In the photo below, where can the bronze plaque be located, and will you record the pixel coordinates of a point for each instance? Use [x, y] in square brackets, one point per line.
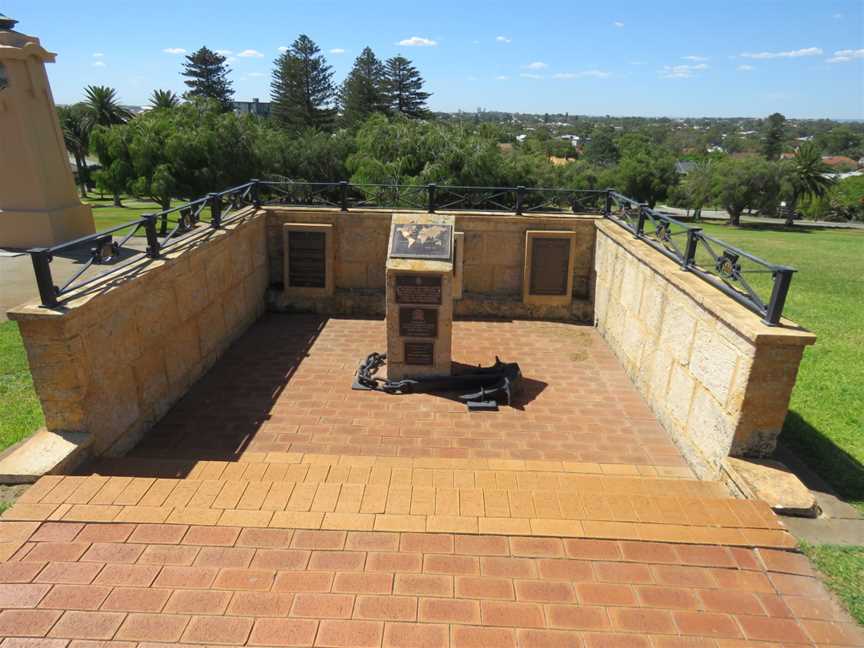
[418, 289]
[550, 259]
[307, 266]
[419, 353]
[413, 241]
[418, 322]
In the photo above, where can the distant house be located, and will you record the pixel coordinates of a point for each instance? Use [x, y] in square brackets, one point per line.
[840, 162]
[254, 107]
[683, 167]
[505, 147]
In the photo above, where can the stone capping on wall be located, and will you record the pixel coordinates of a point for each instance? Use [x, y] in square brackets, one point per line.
[718, 379]
[113, 358]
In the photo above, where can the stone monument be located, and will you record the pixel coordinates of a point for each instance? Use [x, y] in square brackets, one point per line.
[39, 205]
[419, 296]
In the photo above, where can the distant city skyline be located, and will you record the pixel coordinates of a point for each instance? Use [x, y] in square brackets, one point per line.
[665, 58]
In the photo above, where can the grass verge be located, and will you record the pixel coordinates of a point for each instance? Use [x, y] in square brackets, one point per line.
[843, 568]
[827, 409]
[20, 411]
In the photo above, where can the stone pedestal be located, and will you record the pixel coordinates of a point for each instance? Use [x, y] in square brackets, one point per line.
[419, 280]
[39, 205]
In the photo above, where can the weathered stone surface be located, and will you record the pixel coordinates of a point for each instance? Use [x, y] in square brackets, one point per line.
[773, 483]
[43, 453]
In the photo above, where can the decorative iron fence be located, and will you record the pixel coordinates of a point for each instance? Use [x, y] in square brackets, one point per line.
[724, 266]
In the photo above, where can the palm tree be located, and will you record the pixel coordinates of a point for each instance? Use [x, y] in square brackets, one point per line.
[101, 102]
[807, 176]
[75, 124]
[164, 99]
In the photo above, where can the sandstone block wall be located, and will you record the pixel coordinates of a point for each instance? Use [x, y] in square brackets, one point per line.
[718, 379]
[494, 253]
[114, 359]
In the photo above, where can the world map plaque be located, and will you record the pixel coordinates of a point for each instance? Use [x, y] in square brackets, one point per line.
[422, 241]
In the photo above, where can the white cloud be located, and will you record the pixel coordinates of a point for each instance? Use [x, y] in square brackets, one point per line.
[224, 52]
[745, 68]
[807, 51]
[536, 65]
[257, 74]
[681, 71]
[503, 39]
[337, 50]
[527, 75]
[618, 24]
[502, 77]
[99, 64]
[638, 63]
[283, 48]
[844, 56]
[98, 55]
[417, 41]
[174, 50]
[596, 74]
[695, 58]
[250, 53]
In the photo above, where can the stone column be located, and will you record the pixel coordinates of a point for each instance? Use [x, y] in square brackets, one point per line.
[39, 204]
[419, 296]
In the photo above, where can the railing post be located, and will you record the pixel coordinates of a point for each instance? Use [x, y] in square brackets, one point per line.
[607, 209]
[163, 226]
[430, 189]
[41, 258]
[640, 222]
[215, 210]
[343, 195]
[520, 199]
[255, 193]
[690, 249]
[782, 280]
[152, 238]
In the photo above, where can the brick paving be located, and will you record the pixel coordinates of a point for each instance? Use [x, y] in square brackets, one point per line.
[275, 507]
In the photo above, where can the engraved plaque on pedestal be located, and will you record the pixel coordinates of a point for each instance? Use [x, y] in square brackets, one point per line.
[418, 289]
[419, 353]
[418, 322]
[421, 241]
[550, 260]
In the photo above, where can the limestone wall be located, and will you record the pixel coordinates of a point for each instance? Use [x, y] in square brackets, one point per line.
[718, 379]
[113, 360]
[494, 261]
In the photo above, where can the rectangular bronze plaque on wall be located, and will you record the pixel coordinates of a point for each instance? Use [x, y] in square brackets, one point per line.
[419, 353]
[418, 289]
[307, 266]
[418, 322]
[550, 259]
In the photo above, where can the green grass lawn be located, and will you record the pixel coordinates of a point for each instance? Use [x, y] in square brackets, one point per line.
[826, 416]
[20, 412]
[106, 215]
[844, 572]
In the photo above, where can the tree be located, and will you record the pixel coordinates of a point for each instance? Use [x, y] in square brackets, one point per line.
[602, 149]
[696, 187]
[362, 93]
[103, 108]
[207, 76]
[302, 87]
[111, 146]
[806, 176]
[76, 127]
[404, 87]
[744, 184]
[647, 177]
[164, 99]
[774, 136]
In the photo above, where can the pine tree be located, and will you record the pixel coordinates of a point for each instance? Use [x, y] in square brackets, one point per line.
[775, 133]
[208, 77]
[363, 93]
[302, 87]
[405, 88]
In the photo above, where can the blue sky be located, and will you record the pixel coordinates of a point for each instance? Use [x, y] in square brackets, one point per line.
[804, 58]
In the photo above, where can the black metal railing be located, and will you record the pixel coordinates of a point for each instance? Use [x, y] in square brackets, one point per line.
[752, 282]
[738, 274]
